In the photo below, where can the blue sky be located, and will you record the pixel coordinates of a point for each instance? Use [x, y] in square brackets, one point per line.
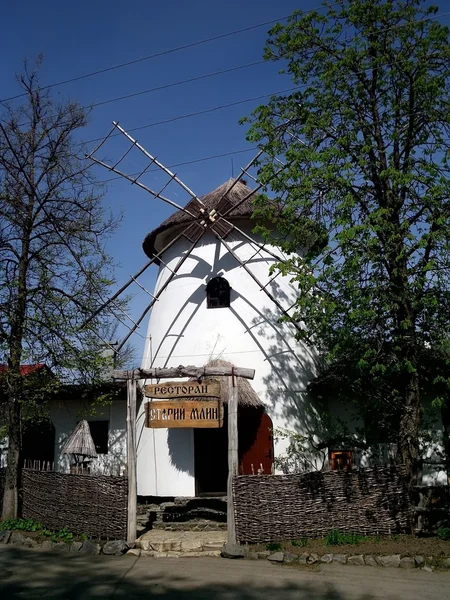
[78, 38]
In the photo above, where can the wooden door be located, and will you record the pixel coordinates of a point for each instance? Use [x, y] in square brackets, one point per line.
[255, 443]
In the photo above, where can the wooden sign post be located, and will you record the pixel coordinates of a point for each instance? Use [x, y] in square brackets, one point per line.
[208, 388]
[170, 414]
[190, 371]
[131, 461]
[233, 459]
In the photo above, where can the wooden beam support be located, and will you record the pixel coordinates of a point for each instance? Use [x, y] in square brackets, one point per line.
[131, 461]
[189, 371]
[233, 460]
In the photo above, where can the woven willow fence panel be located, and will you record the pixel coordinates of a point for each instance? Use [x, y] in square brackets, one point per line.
[2, 485]
[272, 508]
[92, 504]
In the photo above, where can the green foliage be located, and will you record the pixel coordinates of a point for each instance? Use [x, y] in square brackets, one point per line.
[20, 525]
[336, 538]
[61, 535]
[365, 195]
[273, 546]
[300, 543]
[444, 533]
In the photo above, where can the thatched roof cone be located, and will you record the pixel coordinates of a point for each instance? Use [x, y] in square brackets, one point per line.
[160, 236]
[80, 441]
[246, 394]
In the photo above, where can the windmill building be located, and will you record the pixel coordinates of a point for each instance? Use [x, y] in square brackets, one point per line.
[221, 304]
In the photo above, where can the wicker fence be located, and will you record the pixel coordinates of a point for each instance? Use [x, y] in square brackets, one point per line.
[285, 507]
[2, 486]
[91, 504]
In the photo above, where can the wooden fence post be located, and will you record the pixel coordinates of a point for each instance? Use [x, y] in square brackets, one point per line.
[131, 460]
[233, 460]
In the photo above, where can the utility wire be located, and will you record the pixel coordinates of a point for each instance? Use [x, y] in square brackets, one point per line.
[196, 113]
[158, 54]
[176, 83]
[207, 75]
[198, 43]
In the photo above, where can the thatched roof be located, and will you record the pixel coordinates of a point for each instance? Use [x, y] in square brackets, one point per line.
[210, 200]
[80, 441]
[246, 394]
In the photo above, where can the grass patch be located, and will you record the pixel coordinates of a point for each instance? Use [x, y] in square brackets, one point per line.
[300, 543]
[337, 538]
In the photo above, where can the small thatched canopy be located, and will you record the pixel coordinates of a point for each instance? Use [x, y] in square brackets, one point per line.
[80, 442]
[244, 211]
[246, 394]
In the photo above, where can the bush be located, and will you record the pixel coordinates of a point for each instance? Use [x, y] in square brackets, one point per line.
[444, 533]
[273, 546]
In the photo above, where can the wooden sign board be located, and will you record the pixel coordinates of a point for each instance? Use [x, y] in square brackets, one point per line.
[207, 388]
[202, 414]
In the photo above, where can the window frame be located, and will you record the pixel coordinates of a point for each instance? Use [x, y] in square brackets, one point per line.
[223, 290]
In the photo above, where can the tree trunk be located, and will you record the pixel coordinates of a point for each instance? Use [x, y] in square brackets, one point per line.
[408, 439]
[11, 493]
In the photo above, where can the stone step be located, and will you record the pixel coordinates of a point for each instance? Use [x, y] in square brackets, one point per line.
[205, 513]
[172, 554]
[181, 542]
[194, 525]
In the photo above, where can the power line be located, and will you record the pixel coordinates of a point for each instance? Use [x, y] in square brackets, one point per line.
[158, 54]
[195, 114]
[176, 83]
[192, 45]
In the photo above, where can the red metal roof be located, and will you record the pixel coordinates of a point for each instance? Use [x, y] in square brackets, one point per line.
[25, 369]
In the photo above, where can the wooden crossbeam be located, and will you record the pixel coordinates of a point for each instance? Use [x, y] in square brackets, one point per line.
[181, 371]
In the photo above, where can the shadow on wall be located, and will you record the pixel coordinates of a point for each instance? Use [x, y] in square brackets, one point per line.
[289, 372]
[112, 463]
[115, 577]
[178, 440]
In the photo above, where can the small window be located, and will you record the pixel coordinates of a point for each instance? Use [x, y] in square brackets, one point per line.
[218, 293]
[341, 460]
[99, 432]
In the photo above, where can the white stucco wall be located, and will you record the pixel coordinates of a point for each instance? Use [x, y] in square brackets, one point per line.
[183, 331]
[65, 417]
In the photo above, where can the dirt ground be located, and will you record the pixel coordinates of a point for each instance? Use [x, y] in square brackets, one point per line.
[27, 574]
[405, 545]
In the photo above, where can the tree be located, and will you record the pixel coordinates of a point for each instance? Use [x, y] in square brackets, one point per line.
[365, 190]
[54, 270]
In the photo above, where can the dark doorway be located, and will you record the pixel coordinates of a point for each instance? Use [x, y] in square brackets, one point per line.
[211, 450]
[38, 441]
[211, 459]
